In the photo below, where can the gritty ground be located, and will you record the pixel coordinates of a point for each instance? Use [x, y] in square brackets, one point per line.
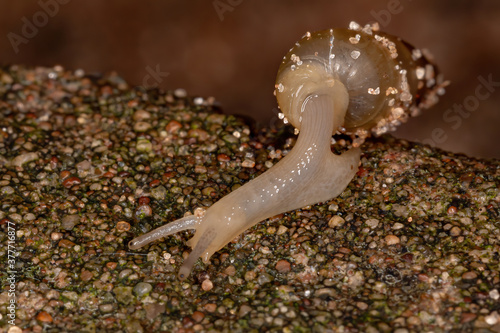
[87, 163]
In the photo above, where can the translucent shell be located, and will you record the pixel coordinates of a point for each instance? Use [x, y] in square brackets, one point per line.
[386, 78]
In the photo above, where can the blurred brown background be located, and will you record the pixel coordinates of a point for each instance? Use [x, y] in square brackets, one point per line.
[231, 49]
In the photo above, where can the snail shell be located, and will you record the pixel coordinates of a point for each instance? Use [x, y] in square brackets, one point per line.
[386, 78]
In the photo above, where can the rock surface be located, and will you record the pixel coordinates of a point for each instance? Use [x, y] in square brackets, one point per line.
[87, 163]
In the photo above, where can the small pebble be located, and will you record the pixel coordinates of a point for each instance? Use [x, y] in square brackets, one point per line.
[207, 191]
[86, 275]
[106, 308]
[324, 292]
[111, 265]
[467, 317]
[72, 295]
[173, 126]
[66, 243]
[278, 322]
[144, 201]
[143, 212]
[24, 158]
[281, 230]
[122, 226]
[362, 305]
[125, 273]
[400, 330]
[230, 270]
[264, 278]
[469, 276]
[391, 239]
[17, 218]
[198, 133]
[413, 320]
[199, 212]
[244, 310]
[64, 174]
[466, 220]
[207, 285]
[142, 288]
[153, 310]
[69, 221]
[7, 190]
[248, 164]
[210, 307]
[397, 226]
[141, 115]
[56, 236]
[333, 207]
[492, 318]
[123, 294]
[133, 326]
[144, 146]
[223, 158]
[250, 275]
[44, 317]
[117, 180]
[282, 266]
[159, 193]
[180, 93]
[335, 221]
[71, 181]
[256, 322]
[200, 169]
[198, 316]
[141, 126]
[455, 231]
[372, 223]
[84, 165]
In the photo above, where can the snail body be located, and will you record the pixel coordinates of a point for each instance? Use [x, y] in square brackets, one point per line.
[354, 81]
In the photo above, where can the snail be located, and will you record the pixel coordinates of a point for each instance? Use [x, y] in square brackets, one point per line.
[355, 81]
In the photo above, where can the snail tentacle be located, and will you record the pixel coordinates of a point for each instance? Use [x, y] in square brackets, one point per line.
[185, 223]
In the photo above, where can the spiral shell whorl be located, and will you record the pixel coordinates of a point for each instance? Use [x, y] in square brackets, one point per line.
[386, 79]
